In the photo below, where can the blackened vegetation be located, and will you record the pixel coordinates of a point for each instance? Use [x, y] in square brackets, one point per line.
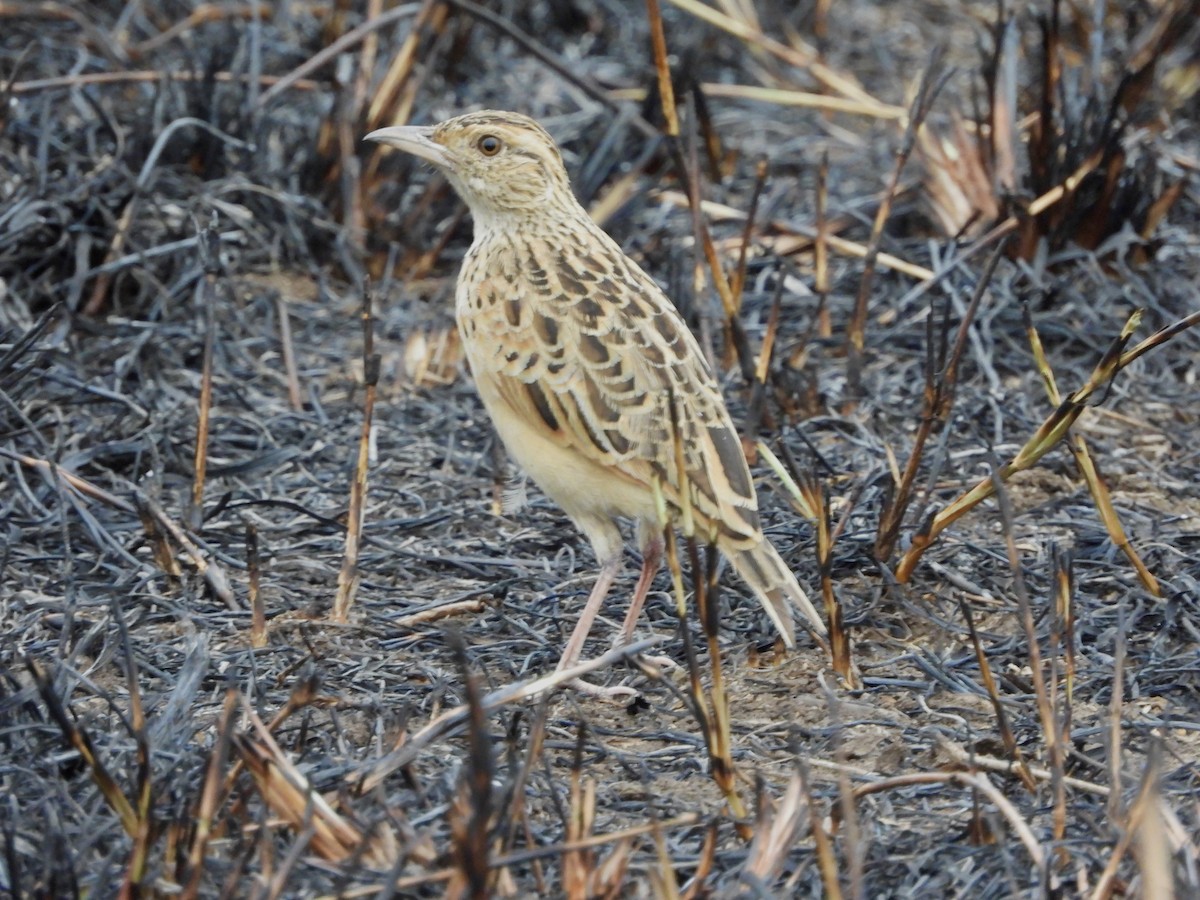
[1028, 722]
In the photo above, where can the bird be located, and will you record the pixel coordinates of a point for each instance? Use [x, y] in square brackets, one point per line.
[586, 368]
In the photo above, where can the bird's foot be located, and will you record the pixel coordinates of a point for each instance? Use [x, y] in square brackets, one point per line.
[617, 693]
[662, 662]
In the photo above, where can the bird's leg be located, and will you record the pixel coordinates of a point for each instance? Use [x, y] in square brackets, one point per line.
[608, 572]
[652, 553]
[574, 649]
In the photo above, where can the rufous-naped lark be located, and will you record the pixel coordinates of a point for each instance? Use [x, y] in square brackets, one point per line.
[577, 355]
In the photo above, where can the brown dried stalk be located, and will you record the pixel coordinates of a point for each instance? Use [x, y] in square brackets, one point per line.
[206, 296]
[931, 84]
[288, 352]
[144, 833]
[212, 795]
[666, 92]
[81, 742]
[806, 59]
[816, 497]
[288, 794]
[941, 379]
[470, 813]
[761, 168]
[821, 249]
[989, 682]
[258, 615]
[348, 577]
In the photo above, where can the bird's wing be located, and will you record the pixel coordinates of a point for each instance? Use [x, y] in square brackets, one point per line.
[603, 355]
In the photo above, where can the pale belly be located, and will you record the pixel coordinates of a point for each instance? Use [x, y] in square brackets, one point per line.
[583, 488]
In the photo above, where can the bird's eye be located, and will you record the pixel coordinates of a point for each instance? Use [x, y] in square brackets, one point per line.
[489, 145]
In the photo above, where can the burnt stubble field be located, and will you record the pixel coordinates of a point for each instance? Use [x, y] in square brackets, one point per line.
[278, 619]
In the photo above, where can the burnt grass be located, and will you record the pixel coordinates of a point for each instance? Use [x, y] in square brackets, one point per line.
[161, 188]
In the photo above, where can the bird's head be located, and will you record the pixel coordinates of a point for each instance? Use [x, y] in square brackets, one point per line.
[503, 164]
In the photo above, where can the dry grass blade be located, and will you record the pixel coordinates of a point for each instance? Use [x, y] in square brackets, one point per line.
[1087, 467]
[288, 793]
[334, 49]
[81, 742]
[975, 781]
[1116, 719]
[387, 107]
[164, 556]
[1000, 232]
[135, 872]
[1153, 851]
[83, 79]
[758, 415]
[521, 857]
[1043, 440]
[696, 887]
[834, 81]
[777, 828]
[579, 865]
[989, 683]
[206, 299]
[971, 172]
[1054, 734]
[803, 99]
[845, 815]
[689, 170]
[258, 613]
[799, 498]
[719, 736]
[288, 351]
[794, 238]
[70, 480]
[761, 168]
[1145, 806]
[826, 857]
[212, 572]
[662, 878]
[971, 760]
[1063, 590]
[821, 249]
[1159, 337]
[349, 576]
[443, 611]
[711, 709]
[559, 65]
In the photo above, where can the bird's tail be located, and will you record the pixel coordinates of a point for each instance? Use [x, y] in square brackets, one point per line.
[764, 570]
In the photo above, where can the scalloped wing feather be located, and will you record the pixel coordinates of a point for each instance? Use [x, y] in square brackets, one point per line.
[586, 344]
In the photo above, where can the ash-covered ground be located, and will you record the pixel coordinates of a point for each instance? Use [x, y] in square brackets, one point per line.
[183, 176]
